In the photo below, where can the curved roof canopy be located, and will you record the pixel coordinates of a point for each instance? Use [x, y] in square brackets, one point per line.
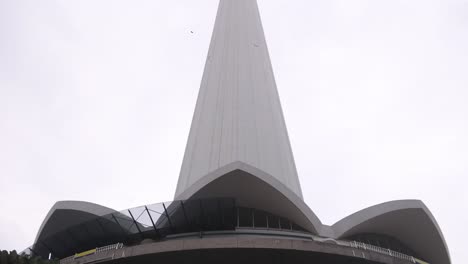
[254, 188]
[65, 214]
[60, 231]
[409, 221]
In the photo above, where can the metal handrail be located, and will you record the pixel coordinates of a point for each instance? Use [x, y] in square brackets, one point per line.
[97, 250]
[385, 251]
[109, 247]
[353, 244]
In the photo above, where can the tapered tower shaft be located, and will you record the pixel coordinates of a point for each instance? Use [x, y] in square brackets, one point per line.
[238, 115]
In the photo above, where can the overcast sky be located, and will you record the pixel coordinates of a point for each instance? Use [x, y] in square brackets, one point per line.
[97, 96]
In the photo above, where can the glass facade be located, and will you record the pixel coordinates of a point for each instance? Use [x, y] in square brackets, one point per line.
[155, 221]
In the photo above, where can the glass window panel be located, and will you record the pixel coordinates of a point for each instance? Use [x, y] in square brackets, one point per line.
[211, 214]
[125, 221]
[193, 212]
[245, 217]
[156, 208]
[260, 219]
[141, 217]
[273, 221]
[285, 223]
[297, 228]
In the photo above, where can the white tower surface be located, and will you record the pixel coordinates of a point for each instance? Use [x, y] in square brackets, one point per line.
[238, 116]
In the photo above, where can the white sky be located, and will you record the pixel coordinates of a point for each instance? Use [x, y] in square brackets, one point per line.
[97, 96]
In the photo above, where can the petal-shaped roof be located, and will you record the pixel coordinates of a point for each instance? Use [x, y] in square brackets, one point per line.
[409, 221]
[252, 187]
[64, 214]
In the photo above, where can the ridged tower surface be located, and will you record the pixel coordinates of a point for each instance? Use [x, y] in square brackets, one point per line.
[238, 115]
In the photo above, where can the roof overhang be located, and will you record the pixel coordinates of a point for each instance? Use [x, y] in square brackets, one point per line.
[64, 214]
[409, 221]
[61, 217]
[252, 187]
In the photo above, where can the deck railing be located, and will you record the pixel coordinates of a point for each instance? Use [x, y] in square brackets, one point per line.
[380, 250]
[109, 247]
[353, 244]
[91, 252]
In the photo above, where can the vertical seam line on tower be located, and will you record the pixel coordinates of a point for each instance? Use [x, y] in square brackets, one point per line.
[225, 87]
[218, 88]
[253, 88]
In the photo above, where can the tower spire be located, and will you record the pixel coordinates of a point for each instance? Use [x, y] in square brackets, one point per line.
[238, 115]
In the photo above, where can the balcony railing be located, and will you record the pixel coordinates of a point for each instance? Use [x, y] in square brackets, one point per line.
[380, 250]
[91, 252]
[353, 244]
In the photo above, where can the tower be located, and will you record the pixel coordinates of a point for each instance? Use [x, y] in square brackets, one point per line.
[238, 116]
[238, 196]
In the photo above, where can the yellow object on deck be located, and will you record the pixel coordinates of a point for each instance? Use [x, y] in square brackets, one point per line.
[85, 253]
[420, 261]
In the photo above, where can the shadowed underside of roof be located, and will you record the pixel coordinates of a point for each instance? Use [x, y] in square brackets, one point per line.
[64, 214]
[409, 221]
[254, 188]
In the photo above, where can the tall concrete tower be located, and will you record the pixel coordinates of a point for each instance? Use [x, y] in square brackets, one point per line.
[238, 198]
[238, 115]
